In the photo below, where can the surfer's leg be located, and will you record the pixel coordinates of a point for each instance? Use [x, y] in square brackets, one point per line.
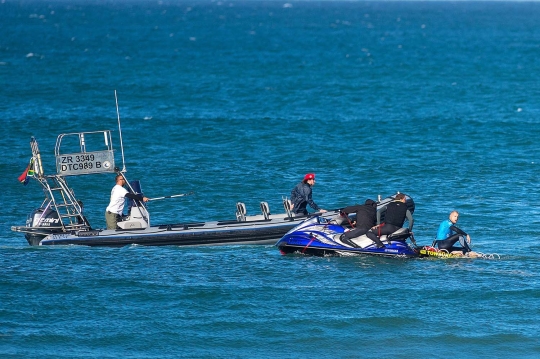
[448, 243]
[375, 239]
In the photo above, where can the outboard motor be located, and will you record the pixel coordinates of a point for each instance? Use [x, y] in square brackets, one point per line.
[43, 221]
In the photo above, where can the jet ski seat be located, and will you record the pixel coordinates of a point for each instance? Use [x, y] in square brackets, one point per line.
[265, 209]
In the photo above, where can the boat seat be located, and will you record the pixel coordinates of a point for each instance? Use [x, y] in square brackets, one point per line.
[265, 209]
[287, 205]
[258, 217]
[240, 212]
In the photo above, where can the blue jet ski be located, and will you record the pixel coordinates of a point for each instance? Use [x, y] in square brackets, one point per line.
[321, 237]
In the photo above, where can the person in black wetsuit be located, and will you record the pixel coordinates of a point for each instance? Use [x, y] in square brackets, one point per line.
[366, 218]
[396, 212]
[301, 196]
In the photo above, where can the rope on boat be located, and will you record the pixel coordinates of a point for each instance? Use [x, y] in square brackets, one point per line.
[311, 241]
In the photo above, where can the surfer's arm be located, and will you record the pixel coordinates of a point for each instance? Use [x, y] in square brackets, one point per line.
[458, 231]
[461, 232]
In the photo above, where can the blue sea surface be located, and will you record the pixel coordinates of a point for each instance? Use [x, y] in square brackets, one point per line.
[236, 101]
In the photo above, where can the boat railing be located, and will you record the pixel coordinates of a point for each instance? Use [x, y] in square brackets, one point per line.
[265, 209]
[287, 205]
[59, 196]
[62, 199]
[81, 153]
[241, 212]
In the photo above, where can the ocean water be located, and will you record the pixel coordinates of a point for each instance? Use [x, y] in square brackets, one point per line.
[236, 101]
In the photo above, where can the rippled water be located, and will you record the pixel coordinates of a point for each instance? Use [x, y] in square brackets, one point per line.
[236, 101]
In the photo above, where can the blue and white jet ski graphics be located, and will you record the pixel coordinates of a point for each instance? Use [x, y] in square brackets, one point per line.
[321, 237]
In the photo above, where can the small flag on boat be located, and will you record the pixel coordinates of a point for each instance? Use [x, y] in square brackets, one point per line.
[28, 172]
[23, 178]
[31, 168]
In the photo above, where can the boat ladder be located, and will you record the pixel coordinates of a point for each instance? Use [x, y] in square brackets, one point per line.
[58, 195]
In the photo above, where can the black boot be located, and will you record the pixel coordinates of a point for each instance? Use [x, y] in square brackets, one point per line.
[375, 239]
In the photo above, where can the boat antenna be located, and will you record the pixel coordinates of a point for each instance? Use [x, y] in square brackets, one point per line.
[120, 130]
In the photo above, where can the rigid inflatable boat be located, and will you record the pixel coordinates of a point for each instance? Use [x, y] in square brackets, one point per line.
[59, 220]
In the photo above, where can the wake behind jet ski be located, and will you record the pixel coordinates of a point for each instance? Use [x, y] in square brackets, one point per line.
[320, 236]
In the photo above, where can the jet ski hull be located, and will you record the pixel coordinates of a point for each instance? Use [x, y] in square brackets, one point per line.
[319, 238]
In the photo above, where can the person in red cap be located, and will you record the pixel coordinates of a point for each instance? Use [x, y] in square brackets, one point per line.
[301, 196]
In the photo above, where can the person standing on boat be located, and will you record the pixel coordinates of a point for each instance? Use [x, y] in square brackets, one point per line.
[448, 234]
[396, 212]
[113, 213]
[301, 196]
[366, 218]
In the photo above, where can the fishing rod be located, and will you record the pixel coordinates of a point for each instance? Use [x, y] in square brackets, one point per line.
[172, 196]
